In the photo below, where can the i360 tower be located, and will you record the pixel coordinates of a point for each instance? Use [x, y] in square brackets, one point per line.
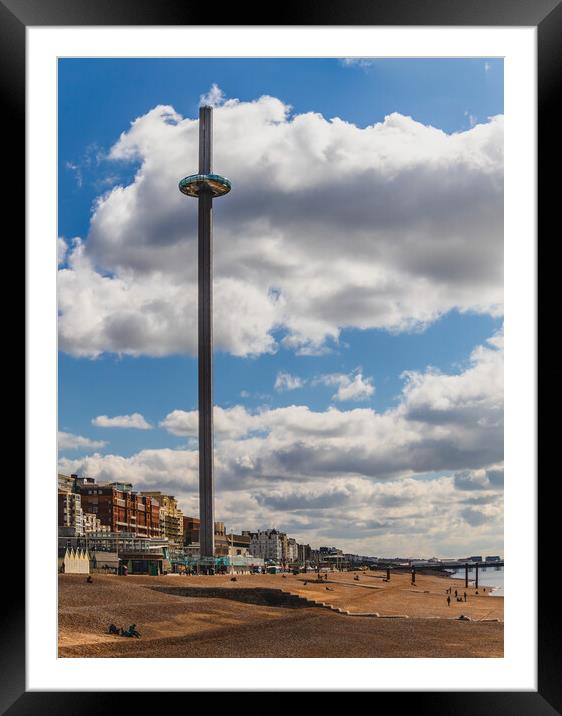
[205, 186]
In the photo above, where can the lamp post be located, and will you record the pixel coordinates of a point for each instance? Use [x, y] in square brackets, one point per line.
[205, 186]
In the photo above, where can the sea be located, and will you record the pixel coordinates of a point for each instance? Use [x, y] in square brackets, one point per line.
[487, 577]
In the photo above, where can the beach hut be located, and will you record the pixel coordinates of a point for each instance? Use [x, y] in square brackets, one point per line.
[76, 561]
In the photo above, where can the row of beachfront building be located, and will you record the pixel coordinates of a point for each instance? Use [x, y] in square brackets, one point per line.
[147, 532]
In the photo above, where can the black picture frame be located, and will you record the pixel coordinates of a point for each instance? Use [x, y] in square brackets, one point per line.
[546, 16]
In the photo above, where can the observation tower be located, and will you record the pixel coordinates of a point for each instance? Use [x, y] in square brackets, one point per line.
[205, 186]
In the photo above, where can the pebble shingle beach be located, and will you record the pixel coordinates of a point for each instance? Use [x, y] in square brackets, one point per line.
[263, 616]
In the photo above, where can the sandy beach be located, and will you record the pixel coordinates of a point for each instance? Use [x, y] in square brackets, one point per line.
[278, 616]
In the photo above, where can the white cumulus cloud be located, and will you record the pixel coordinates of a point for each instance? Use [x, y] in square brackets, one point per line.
[136, 420]
[350, 387]
[69, 441]
[285, 381]
[62, 248]
[214, 97]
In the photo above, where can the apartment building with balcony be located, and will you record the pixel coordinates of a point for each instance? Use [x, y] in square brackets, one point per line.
[292, 553]
[171, 517]
[93, 525]
[267, 544]
[70, 514]
[304, 553]
[65, 482]
[117, 506]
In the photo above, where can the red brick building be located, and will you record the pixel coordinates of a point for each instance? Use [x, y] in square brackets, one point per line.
[117, 506]
[191, 527]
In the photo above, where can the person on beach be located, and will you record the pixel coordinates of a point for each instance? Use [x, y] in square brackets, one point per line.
[448, 600]
[465, 596]
[456, 594]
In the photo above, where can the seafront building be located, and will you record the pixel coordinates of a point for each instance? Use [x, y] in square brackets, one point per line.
[170, 516]
[267, 544]
[93, 525]
[191, 527]
[66, 483]
[221, 540]
[191, 532]
[238, 545]
[304, 553]
[119, 507]
[71, 515]
[292, 552]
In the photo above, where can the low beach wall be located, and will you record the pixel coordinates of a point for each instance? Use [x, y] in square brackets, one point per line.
[255, 595]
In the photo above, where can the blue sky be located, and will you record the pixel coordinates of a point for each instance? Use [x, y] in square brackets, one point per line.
[440, 273]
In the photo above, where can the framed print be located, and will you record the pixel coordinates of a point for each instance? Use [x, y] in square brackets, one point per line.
[266, 269]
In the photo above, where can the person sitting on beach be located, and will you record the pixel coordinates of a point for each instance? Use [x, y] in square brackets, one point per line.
[131, 632]
[113, 629]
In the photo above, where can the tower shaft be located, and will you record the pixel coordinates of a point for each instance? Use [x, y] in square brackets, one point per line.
[205, 340]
